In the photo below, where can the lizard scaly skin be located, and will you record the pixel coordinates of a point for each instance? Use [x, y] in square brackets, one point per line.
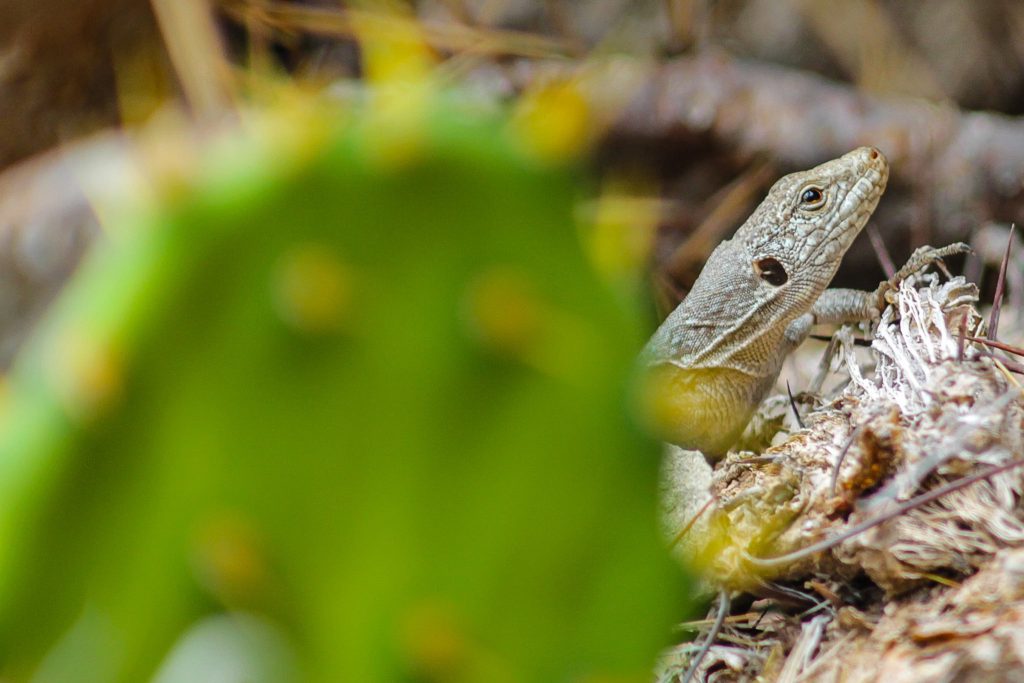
[720, 351]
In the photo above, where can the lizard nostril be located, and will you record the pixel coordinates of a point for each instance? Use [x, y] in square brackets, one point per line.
[874, 153]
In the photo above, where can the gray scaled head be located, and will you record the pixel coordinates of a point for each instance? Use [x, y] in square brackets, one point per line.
[799, 233]
[775, 267]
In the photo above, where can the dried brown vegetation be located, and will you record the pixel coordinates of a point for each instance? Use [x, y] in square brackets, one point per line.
[857, 532]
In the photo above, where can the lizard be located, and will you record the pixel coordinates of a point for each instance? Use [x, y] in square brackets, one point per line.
[715, 357]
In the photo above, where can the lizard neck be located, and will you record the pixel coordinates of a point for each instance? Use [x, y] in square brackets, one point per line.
[724, 322]
[699, 408]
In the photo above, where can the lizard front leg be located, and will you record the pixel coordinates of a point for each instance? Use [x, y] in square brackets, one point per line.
[834, 306]
[919, 260]
[839, 306]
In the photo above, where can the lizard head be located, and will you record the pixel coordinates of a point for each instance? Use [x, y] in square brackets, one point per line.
[796, 238]
[716, 356]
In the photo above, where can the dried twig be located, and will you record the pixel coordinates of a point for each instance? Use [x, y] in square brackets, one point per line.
[689, 525]
[792, 404]
[1015, 350]
[961, 337]
[729, 206]
[842, 456]
[997, 299]
[723, 610]
[884, 259]
[193, 42]
[913, 503]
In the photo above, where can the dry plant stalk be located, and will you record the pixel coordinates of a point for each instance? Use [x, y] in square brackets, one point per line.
[903, 484]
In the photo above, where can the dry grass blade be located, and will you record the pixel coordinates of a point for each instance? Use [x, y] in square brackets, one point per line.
[1007, 366]
[193, 43]
[723, 610]
[441, 35]
[689, 525]
[730, 206]
[884, 258]
[756, 460]
[792, 404]
[697, 624]
[865, 38]
[842, 456]
[961, 337]
[806, 674]
[1015, 350]
[997, 300]
[460, 11]
[822, 338]
[667, 294]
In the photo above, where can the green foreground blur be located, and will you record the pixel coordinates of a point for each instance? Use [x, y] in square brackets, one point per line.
[347, 405]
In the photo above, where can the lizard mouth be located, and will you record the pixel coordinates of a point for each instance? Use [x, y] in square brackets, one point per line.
[862, 197]
[857, 203]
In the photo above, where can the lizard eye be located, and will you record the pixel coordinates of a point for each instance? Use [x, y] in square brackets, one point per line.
[771, 271]
[812, 198]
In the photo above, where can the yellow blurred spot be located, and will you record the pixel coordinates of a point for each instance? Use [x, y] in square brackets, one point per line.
[229, 558]
[295, 125]
[508, 316]
[395, 135]
[5, 394]
[393, 48]
[621, 230]
[142, 83]
[88, 376]
[169, 155]
[433, 641]
[505, 312]
[312, 289]
[554, 121]
[399, 68]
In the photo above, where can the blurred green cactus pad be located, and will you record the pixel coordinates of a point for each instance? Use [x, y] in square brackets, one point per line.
[345, 403]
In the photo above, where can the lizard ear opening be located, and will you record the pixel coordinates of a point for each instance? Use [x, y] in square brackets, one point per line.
[771, 271]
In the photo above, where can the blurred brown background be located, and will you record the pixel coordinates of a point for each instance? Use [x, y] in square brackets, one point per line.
[716, 99]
